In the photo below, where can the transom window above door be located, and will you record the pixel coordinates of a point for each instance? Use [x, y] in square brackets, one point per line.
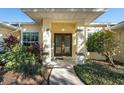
[30, 38]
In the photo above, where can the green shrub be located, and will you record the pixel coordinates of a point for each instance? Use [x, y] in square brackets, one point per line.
[104, 43]
[99, 74]
[20, 60]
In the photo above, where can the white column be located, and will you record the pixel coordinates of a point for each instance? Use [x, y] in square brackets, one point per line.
[46, 45]
[81, 47]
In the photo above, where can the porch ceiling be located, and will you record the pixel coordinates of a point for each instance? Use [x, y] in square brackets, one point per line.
[86, 15]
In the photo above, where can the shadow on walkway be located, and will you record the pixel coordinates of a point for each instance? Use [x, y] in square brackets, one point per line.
[64, 76]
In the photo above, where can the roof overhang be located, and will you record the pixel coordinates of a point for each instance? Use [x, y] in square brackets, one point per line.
[118, 26]
[7, 26]
[87, 15]
[100, 24]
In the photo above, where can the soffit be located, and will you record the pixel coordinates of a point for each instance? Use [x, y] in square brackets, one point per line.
[87, 15]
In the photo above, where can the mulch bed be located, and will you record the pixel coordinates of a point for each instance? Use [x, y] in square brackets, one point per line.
[11, 78]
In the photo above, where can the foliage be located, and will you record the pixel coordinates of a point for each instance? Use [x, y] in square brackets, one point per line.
[99, 74]
[104, 43]
[11, 41]
[20, 60]
[35, 49]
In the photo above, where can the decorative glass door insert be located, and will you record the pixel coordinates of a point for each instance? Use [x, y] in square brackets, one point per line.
[63, 44]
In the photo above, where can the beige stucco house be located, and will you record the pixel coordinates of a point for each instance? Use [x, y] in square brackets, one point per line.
[119, 34]
[6, 29]
[63, 32]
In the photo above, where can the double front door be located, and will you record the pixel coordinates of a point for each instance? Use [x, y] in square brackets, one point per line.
[63, 44]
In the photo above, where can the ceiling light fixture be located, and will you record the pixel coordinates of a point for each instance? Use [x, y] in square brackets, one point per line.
[63, 29]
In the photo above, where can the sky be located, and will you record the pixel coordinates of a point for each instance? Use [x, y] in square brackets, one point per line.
[13, 15]
[114, 15]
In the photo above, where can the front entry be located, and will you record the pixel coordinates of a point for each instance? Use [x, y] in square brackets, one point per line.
[63, 44]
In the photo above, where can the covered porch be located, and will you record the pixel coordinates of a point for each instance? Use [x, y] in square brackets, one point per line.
[63, 32]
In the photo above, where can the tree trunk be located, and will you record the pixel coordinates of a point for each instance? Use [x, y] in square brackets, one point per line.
[107, 58]
[110, 59]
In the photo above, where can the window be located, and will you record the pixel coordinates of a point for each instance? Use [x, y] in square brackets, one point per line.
[90, 33]
[30, 37]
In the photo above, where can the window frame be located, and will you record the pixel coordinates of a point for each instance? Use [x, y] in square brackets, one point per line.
[30, 41]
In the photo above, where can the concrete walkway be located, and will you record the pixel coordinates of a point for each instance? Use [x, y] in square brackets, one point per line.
[64, 76]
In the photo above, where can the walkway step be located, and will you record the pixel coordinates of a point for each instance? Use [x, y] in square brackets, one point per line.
[64, 76]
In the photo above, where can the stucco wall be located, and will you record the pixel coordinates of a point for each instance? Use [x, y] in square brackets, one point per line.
[122, 44]
[17, 34]
[32, 28]
[95, 55]
[57, 28]
[4, 32]
[119, 37]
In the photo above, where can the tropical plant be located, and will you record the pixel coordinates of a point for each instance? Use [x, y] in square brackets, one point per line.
[11, 41]
[18, 59]
[104, 43]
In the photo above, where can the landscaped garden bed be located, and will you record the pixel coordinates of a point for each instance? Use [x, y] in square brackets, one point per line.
[100, 73]
[12, 78]
[21, 64]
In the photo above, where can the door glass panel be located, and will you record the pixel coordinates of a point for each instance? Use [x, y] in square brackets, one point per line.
[63, 44]
[58, 44]
[67, 44]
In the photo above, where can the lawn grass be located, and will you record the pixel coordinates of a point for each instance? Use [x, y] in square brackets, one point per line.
[96, 73]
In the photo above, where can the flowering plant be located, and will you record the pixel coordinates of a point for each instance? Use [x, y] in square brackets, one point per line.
[11, 41]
